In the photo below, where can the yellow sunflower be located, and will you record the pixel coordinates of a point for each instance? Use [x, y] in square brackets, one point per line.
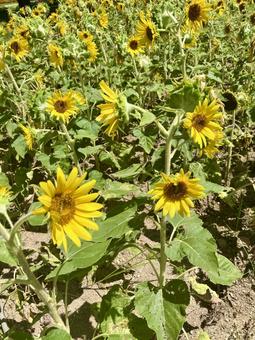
[85, 36]
[211, 149]
[92, 49]
[146, 30]
[55, 55]
[62, 105]
[62, 27]
[203, 123]
[70, 207]
[19, 47]
[219, 6]
[5, 195]
[174, 194]
[134, 46]
[28, 135]
[22, 30]
[109, 115]
[103, 19]
[197, 14]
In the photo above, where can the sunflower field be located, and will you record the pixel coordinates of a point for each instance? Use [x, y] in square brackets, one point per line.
[127, 177]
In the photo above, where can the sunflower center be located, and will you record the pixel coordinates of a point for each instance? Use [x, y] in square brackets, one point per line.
[194, 12]
[85, 35]
[62, 208]
[133, 44]
[175, 191]
[60, 106]
[199, 122]
[149, 33]
[15, 47]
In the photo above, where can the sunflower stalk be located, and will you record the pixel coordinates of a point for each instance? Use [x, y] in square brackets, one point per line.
[32, 281]
[71, 143]
[230, 150]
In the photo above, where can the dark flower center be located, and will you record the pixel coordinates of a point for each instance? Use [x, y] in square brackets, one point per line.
[220, 3]
[252, 19]
[194, 12]
[85, 35]
[199, 122]
[149, 33]
[175, 191]
[62, 208]
[15, 47]
[133, 44]
[60, 106]
[230, 102]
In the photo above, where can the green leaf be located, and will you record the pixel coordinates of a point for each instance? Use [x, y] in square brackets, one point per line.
[185, 97]
[115, 189]
[130, 172]
[116, 226]
[226, 274]
[4, 180]
[164, 310]
[20, 146]
[36, 220]
[147, 118]
[57, 334]
[91, 150]
[109, 158]
[5, 255]
[60, 151]
[19, 335]
[113, 315]
[196, 243]
[79, 258]
[203, 336]
[88, 130]
[146, 141]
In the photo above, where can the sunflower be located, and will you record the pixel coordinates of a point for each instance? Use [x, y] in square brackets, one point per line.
[55, 55]
[19, 47]
[85, 36]
[174, 194]
[70, 208]
[28, 136]
[203, 122]
[92, 49]
[62, 27]
[2, 63]
[146, 30]
[5, 195]
[62, 105]
[134, 46]
[23, 31]
[197, 14]
[211, 149]
[219, 6]
[103, 19]
[109, 112]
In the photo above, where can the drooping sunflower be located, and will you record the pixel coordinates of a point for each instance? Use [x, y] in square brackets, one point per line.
[212, 148]
[55, 55]
[175, 193]
[134, 46]
[146, 30]
[62, 27]
[196, 14]
[28, 135]
[203, 122]
[92, 49]
[109, 115]
[18, 47]
[70, 207]
[62, 106]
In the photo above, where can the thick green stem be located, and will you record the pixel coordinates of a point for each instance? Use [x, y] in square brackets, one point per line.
[230, 150]
[71, 144]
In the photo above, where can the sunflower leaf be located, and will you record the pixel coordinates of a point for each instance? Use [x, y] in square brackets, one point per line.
[163, 310]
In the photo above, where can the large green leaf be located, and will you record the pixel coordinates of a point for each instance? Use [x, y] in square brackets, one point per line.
[79, 258]
[146, 139]
[147, 118]
[227, 272]
[115, 189]
[164, 310]
[185, 97]
[130, 172]
[5, 255]
[196, 243]
[57, 334]
[116, 226]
